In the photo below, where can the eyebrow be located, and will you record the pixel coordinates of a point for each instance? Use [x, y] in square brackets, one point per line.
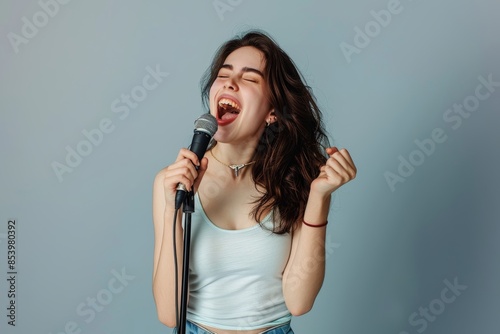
[244, 69]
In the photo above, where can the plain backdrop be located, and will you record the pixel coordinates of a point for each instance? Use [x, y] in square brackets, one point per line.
[401, 85]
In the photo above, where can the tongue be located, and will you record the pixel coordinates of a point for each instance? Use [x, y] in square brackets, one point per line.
[229, 115]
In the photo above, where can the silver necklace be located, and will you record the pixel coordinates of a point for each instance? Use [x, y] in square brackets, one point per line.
[236, 167]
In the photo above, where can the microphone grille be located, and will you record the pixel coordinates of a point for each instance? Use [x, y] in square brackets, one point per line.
[206, 123]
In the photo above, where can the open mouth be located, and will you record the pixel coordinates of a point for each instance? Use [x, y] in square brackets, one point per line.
[227, 109]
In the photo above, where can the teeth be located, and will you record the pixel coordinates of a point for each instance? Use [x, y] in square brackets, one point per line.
[224, 103]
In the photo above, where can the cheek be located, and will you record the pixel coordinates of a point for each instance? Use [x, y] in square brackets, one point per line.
[213, 91]
[264, 99]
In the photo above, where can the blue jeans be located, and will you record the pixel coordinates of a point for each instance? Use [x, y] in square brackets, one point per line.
[192, 328]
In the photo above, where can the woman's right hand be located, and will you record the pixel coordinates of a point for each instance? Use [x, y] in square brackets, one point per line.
[183, 171]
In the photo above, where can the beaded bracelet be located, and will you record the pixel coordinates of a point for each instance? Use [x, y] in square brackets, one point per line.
[311, 225]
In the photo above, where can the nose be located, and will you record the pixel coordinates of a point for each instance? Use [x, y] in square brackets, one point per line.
[231, 84]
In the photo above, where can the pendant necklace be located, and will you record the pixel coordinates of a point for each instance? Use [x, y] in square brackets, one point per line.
[235, 168]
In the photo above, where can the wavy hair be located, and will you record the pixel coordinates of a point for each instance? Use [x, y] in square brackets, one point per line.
[292, 149]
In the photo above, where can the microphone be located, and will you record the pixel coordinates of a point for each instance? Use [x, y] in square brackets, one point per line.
[204, 129]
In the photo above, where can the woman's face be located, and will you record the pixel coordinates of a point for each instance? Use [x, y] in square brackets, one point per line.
[239, 97]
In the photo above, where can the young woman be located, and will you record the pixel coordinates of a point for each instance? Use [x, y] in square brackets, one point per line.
[258, 231]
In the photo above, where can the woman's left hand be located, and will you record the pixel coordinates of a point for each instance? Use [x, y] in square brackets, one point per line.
[338, 170]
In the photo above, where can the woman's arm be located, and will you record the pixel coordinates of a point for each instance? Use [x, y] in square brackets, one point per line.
[164, 189]
[305, 270]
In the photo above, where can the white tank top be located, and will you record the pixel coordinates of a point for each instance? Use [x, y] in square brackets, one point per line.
[235, 279]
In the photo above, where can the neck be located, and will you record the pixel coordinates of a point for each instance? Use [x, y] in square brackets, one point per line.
[234, 154]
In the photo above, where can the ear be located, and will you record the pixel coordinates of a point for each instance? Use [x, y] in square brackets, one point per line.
[271, 117]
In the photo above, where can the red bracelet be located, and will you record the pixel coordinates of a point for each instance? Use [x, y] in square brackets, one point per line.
[311, 225]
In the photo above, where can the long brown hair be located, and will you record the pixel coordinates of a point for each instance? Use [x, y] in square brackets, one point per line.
[292, 149]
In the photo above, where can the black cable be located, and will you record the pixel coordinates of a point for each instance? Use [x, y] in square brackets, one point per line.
[176, 271]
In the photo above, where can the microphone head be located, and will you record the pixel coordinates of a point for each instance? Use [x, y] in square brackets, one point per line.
[206, 123]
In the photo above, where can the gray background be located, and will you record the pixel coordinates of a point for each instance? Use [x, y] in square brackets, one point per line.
[389, 250]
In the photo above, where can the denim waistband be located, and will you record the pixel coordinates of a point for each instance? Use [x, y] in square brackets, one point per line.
[192, 328]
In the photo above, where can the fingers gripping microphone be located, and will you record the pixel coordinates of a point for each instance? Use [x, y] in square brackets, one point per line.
[204, 129]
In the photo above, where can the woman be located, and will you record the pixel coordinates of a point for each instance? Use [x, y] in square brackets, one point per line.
[258, 233]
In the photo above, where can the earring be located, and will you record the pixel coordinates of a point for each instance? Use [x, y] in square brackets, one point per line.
[267, 124]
